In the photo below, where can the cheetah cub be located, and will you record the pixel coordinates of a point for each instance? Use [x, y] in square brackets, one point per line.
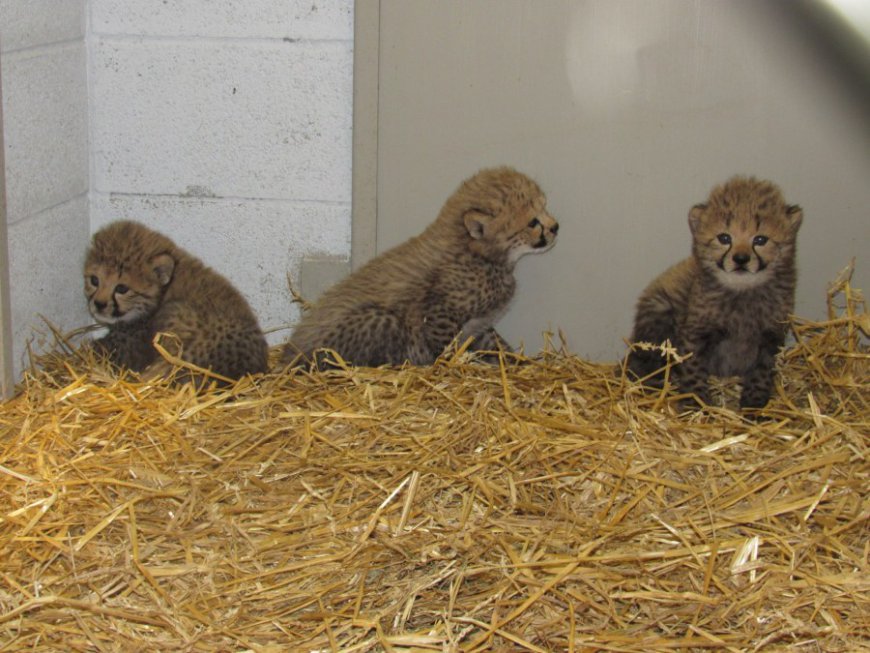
[139, 283]
[728, 303]
[454, 279]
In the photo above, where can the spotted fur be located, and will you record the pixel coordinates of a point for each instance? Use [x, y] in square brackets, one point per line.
[138, 283]
[728, 304]
[454, 279]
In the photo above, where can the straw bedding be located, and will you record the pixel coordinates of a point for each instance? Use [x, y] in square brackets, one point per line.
[542, 506]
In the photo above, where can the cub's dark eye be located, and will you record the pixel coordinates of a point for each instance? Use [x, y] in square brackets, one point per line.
[758, 241]
[725, 239]
[121, 289]
[534, 222]
[95, 282]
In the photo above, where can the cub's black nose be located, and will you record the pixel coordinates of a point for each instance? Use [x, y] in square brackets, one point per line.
[740, 259]
[99, 305]
[555, 228]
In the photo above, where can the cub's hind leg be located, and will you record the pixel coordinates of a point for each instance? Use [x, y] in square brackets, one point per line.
[221, 343]
[655, 323]
[242, 350]
[371, 335]
[490, 340]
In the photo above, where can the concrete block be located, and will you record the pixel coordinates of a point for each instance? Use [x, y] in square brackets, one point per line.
[290, 19]
[46, 253]
[319, 274]
[45, 108]
[27, 23]
[226, 119]
[253, 243]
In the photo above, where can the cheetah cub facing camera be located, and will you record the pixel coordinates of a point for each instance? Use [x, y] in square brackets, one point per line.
[728, 303]
[139, 283]
[454, 279]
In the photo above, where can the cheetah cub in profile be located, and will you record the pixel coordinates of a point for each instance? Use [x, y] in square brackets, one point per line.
[728, 304]
[139, 283]
[454, 279]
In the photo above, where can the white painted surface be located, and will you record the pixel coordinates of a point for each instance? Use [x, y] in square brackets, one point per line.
[46, 119]
[31, 23]
[627, 113]
[45, 271]
[45, 124]
[7, 380]
[265, 120]
[281, 19]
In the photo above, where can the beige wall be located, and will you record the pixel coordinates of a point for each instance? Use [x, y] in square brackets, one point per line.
[626, 113]
[6, 379]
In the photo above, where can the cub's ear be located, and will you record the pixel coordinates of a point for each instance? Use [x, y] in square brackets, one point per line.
[695, 215]
[163, 266]
[794, 215]
[475, 222]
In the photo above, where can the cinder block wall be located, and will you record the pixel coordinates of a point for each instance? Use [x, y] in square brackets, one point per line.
[45, 121]
[227, 125]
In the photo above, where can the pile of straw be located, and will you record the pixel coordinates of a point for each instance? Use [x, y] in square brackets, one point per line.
[542, 506]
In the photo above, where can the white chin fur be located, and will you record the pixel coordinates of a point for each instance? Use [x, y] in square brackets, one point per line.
[742, 280]
[108, 320]
[515, 254]
[104, 319]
